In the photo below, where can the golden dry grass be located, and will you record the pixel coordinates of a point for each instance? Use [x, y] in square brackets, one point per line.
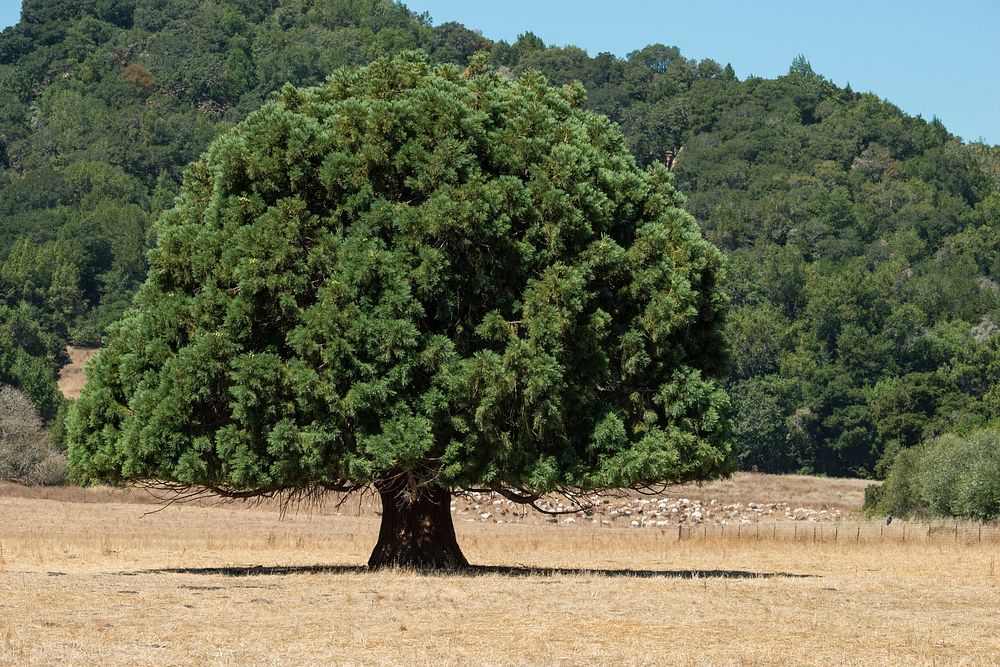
[71, 377]
[84, 583]
[796, 490]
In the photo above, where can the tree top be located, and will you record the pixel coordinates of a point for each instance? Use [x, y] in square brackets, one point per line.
[447, 276]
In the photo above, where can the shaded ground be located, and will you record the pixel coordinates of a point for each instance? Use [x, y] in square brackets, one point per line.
[472, 571]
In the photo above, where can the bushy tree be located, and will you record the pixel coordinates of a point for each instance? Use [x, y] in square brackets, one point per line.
[948, 476]
[423, 280]
[27, 455]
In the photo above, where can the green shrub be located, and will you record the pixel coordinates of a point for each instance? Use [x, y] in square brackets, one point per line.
[901, 493]
[57, 429]
[978, 494]
[945, 464]
[952, 475]
[873, 498]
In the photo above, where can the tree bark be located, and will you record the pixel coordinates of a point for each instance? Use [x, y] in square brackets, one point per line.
[417, 530]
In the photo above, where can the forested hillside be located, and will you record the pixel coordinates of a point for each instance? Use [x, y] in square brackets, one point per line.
[863, 244]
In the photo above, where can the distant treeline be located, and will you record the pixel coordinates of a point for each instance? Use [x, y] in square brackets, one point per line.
[863, 244]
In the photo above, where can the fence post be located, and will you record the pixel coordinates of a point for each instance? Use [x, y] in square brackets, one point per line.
[836, 533]
[680, 527]
[858, 538]
[980, 531]
[956, 531]
[904, 533]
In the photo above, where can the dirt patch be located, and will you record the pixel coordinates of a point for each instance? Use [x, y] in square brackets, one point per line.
[72, 377]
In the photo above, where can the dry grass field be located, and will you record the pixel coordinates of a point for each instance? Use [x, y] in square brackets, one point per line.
[88, 579]
[72, 378]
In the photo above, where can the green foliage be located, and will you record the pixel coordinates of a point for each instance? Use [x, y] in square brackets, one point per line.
[900, 494]
[951, 475]
[454, 43]
[460, 278]
[760, 424]
[30, 357]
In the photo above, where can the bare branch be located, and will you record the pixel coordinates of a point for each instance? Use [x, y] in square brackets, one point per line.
[170, 493]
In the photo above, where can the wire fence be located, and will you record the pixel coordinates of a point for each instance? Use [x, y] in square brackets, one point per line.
[961, 532]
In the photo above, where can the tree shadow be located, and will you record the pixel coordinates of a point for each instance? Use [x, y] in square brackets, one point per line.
[475, 571]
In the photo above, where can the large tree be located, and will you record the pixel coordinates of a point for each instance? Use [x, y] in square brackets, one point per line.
[425, 279]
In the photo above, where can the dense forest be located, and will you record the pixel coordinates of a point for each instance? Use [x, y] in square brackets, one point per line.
[863, 243]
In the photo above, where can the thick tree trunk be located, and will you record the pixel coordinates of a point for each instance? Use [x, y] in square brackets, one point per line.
[417, 530]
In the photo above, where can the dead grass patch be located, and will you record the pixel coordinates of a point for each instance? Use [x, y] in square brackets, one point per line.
[72, 376]
[797, 490]
[84, 583]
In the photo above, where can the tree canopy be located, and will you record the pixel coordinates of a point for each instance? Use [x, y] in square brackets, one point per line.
[419, 276]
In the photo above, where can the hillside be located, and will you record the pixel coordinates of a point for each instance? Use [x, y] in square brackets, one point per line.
[863, 244]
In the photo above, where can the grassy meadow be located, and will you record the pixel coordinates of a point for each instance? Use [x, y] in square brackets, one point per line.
[91, 577]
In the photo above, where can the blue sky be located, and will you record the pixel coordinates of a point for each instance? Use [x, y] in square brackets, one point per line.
[929, 58]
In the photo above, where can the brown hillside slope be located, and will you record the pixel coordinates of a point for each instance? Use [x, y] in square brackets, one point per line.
[71, 377]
